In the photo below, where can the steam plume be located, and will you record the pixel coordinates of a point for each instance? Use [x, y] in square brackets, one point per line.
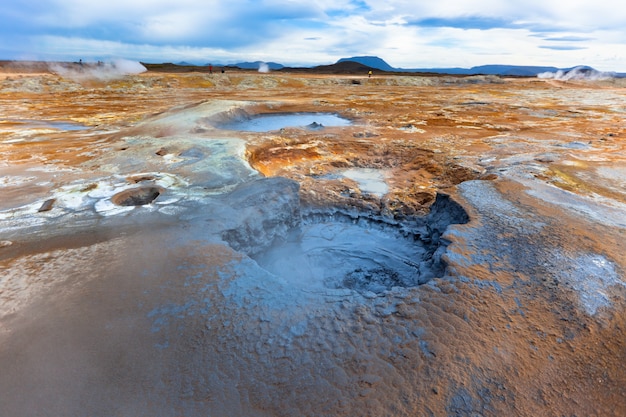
[102, 71]
[577, 73]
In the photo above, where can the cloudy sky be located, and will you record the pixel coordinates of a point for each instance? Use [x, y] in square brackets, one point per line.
[406, 33]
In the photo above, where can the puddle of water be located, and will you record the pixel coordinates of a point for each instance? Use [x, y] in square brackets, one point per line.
[270, 122]
[575, 145]
[370, 180]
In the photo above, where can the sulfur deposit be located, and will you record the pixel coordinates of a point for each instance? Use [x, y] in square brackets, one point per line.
[456, 248]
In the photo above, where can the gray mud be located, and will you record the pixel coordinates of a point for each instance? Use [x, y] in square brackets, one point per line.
[369, 254]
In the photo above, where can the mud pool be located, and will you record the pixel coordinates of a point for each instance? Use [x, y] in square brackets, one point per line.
[365, 254]
[369, 180]
[344, 255]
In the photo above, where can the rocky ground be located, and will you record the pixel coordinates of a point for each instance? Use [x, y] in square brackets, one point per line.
[140, 273]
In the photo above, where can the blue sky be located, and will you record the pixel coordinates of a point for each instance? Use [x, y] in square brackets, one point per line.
[406, 33]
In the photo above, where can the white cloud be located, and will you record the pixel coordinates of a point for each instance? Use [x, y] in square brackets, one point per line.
[403, 32]
[172, 27]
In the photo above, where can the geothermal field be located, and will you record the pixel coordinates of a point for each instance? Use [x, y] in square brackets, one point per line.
[302, 244]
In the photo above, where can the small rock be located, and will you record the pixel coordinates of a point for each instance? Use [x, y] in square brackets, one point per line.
[315, 126]
[47, 205]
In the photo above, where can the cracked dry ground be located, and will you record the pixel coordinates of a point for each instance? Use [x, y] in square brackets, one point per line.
[529, 319]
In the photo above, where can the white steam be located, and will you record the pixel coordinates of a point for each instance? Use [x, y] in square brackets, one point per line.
[102, 71]
[263, 67]
[577, 73]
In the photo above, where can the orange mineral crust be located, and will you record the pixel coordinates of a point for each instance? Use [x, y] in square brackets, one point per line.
[452, 246]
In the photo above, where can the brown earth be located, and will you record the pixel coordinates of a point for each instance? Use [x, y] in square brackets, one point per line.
[530, 318]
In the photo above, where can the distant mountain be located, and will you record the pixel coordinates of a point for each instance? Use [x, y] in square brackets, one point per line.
[506, 70]
[343, 67]
[369, 61]
[450, 71]
[255, 65]
[363, 64]
[523, 70]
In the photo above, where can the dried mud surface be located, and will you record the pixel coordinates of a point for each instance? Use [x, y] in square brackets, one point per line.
[122, 291]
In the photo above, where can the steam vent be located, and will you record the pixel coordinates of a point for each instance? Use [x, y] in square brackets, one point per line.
[305, 244]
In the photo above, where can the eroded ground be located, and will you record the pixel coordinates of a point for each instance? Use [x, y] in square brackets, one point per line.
[132, 233]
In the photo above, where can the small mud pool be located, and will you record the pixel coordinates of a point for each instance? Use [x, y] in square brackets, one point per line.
[276, 121]
[332, 250]
[370, 180]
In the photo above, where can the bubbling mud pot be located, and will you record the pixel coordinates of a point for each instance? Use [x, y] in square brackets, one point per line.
[361, 252]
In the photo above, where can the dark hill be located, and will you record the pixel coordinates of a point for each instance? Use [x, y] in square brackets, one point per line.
[345, 67]
[504, 70]
[373, 62]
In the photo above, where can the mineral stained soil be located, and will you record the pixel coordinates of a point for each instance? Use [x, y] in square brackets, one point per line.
[145, 266]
